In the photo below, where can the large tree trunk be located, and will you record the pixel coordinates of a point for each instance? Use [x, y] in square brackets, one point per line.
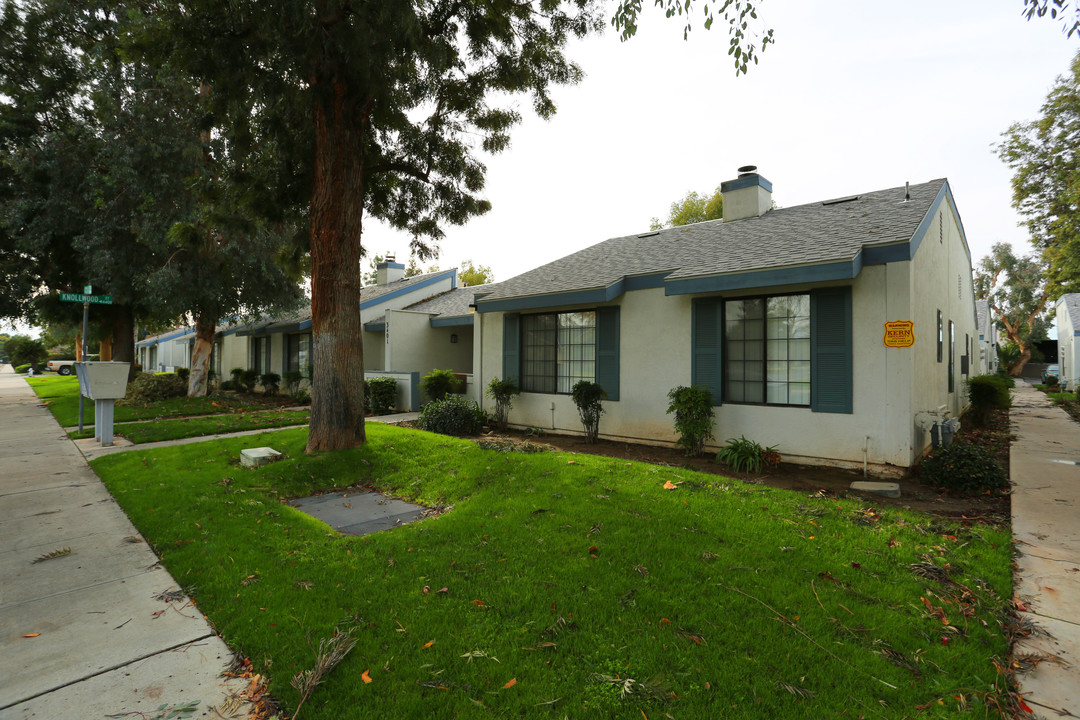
[122, 344]
[205, 326]
[337, 204]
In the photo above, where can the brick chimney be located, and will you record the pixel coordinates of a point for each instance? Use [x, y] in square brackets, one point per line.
[749, 195]
[388, 271]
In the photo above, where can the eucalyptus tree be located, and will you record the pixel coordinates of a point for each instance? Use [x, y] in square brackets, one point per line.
[1017, 292]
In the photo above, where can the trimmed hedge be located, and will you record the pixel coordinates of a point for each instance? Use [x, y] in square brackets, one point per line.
[149, 387]
[965, 469]
[453, 416]
[382, 394]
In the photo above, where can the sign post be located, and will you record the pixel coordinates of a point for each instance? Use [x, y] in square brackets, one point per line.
[86, 298]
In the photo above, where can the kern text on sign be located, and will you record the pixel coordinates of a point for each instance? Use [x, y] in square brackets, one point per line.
[899, 334]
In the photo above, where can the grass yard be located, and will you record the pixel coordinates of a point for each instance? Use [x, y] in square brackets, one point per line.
[558, 585]
[199, 425]
[61, 397]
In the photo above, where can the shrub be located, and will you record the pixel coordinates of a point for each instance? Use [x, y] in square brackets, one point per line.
[183, 373]
[587, 396]
[964, 468]
[22, 369]
[301, 396]
[502, 392]
[987, 393]
[226, 385]
[148, 388]
[693, 410]
[452, 416]
[439, 383]
[292, 381]
[250, 378]
[382, 392]
[269, 382]
[1003, 373]
[237, 375]
[742, 454]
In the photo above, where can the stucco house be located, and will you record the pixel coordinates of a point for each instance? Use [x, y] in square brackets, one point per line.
[164, 352]
[986, 360]
[838, 331]
[1068, 328]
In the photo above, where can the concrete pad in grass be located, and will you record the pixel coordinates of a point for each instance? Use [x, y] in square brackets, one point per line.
[181, 675]
[358, 512]
[91, 630]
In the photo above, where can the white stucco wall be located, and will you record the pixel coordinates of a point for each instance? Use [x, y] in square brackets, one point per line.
[941, 280]
[235, 353]
[412, 344]
[1068, 349]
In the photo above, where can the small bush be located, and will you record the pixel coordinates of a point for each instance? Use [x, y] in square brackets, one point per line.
[183, 373]
[746, 455]
[693, 410]
[502, 392]
[1009, 380]
[22, 369]
[965, 469]
[148, 388]
[382, 394]
[301, 396]
[453, 416]
[237, 375]
[439, 383]
[292, 381]
[987, 393]
[226, 385]
[587, 396]
[270, 383]
[250, 378]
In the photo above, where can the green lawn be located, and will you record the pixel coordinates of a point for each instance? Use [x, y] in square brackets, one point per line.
[61, 396]
[199, 425]
[568, 577]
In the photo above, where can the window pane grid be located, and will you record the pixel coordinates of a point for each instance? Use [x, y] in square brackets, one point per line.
[767, 350]
[558, 350]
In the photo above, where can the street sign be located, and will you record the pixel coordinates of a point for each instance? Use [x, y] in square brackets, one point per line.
[88, 289]
[80, 298]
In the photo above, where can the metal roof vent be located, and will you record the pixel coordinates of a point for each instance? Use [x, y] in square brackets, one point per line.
[747, 170]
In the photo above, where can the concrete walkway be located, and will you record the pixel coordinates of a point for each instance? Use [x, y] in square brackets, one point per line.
[90, 632]
[1045, 470]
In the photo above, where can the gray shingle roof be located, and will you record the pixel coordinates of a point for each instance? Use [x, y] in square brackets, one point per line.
[809, 234]
[1072, 306]
[450, 303]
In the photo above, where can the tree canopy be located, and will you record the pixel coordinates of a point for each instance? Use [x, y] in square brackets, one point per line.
[693, 208]
[1017, 293]
[1045, 157]
[1057, 10]
[472, 275]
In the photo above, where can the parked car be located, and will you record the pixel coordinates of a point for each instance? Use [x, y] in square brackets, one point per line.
[1051, 375]
[62, 367]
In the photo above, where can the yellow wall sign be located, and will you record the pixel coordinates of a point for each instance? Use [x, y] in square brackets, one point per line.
[899, 333]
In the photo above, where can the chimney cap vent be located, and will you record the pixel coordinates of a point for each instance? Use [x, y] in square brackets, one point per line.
[747, 170]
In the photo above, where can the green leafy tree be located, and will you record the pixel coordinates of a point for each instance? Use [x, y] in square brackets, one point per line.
[1045, 158]
[1017, 293]
[472, 275]
[1057, 10]
[25, 350]
[693, 208]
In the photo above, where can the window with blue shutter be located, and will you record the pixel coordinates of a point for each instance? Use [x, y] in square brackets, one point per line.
[831, 350]
[607, 351]
[705, 341]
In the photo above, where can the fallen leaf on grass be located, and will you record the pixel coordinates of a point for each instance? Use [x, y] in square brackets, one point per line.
[427, 645]
[478, 602]
[668, 485]
[365, 677]
[510, 683]
[31, 634]
[442, 590]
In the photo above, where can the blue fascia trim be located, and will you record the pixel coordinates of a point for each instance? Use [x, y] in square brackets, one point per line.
[394, 265]
[744, 182]
[924, 226]
[537, 302]
[410, 289]
[306, 324]
[881, 254]
[645, 282]
[158, 339]
[375, 327]
[454, 321]
[1076, 333]
[843, 270]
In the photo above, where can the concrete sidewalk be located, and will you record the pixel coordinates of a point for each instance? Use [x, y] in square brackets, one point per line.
[105, 638]
[1045, 470]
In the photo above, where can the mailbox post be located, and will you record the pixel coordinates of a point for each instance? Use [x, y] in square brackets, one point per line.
[104, 383]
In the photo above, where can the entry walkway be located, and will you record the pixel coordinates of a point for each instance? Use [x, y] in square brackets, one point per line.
[1045, 470]
[98, 629]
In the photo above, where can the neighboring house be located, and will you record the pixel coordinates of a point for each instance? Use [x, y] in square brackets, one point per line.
[164, 352]
[1068, 329]
[283, 344]
[986, 360]
[780, 313]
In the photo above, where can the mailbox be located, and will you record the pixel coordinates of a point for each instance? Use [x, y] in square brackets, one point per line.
[102, 380]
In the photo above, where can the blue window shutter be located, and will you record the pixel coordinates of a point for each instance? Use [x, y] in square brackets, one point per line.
[706, 340]
[607, 351]
[830, 350]
[512, 347]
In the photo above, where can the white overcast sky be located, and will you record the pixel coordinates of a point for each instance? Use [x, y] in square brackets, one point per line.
[854, 96]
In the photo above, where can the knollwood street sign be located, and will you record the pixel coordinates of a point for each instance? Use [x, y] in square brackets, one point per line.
[82, 298]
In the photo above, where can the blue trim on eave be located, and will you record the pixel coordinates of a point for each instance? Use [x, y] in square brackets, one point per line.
[455, 321]
[375, 327]
[881, 254]
[645, 282]
[394, 265]
[413, 287]
[843, 270]
[928, 219]
[750, 180]
[1076, 333]
[535, 302]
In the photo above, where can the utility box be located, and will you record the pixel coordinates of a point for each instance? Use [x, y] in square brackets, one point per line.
[103, 380]
[104, 383]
